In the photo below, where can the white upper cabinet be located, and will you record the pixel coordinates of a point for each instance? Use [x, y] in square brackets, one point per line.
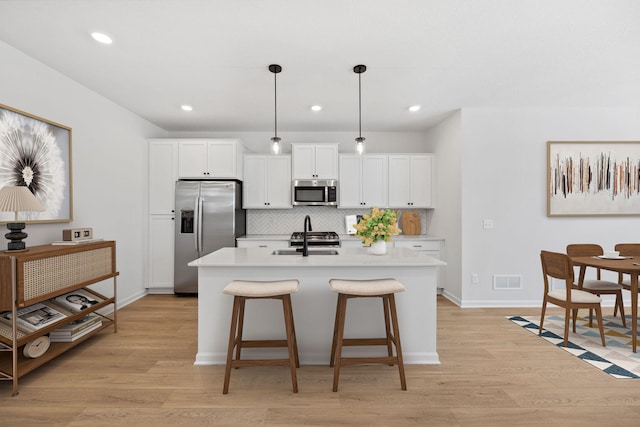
[363, 180]
[210, 159]
[163, 172]
[411, 180]
[314, 161]
[267, 182]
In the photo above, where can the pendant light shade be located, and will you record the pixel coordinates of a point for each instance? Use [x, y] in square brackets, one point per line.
[359, 69]
[275, 141]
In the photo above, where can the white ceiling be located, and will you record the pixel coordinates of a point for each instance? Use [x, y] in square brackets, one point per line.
[442, 54]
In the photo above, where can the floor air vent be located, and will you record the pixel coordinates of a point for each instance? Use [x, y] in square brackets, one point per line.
[506, 282]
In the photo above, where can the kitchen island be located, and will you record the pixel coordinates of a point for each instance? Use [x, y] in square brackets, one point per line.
[314, 304]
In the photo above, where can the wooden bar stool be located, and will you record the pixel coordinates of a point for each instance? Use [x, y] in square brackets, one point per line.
[378, 288]
[243, 291]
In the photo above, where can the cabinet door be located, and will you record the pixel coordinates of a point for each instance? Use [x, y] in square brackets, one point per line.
[399, 181]
[350, 181]
[161, 234]
[326, 164]
[303, 161]
[221, 156]
[375, 181]
[278, 180]
[163, 162]
[192, 159]
[254, 188]
[422, 181]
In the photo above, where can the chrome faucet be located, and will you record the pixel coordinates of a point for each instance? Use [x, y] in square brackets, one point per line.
[305, 243]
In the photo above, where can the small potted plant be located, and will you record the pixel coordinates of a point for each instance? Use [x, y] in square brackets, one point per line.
[376, 228]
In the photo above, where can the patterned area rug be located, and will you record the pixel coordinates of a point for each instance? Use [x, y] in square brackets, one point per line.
[616, 359]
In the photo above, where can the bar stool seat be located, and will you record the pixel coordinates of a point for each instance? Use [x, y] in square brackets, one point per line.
[243, 290]
[374, 288]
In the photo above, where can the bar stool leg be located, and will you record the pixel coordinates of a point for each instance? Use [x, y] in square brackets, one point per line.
[335, 334]
[387, 327]
[240, 327]
[396, 336]
[293, 356]
[342, 308]
[232, 339]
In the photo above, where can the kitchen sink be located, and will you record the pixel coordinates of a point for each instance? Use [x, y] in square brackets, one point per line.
[311, 252]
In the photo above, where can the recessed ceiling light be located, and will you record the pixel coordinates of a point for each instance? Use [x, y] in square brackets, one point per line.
[102, 38]
[316, 107]
[187, 107]
[414, 108]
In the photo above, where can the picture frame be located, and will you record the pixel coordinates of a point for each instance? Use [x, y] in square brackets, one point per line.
[593, 178]
[36, 153]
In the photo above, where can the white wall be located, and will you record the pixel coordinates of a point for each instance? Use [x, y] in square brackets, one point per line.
[108, 161]
[504, 179]
[445, 140]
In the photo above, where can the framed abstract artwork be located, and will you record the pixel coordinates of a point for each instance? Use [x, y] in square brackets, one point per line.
[593, 178]
[36, 153]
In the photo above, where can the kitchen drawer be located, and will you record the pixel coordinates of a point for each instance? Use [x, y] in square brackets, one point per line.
[418, 245]
[275, 244]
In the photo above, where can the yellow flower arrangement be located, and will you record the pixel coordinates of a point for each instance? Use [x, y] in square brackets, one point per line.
[380, 224]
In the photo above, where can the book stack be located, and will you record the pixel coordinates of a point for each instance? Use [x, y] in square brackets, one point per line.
[34, 317]
[76, 329]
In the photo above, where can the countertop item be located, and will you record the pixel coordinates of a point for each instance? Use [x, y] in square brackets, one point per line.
[410, 223]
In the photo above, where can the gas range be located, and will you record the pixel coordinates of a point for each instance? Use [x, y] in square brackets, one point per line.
[315, 238]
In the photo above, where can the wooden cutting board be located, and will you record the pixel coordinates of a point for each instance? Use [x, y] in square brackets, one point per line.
[410, 223]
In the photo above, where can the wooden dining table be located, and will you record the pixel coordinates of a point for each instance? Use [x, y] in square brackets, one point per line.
[628, 265]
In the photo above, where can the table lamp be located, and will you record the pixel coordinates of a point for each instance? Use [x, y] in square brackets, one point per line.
[17, 199]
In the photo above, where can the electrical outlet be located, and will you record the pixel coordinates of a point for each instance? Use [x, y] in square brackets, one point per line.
[488, 223]
[474, 278]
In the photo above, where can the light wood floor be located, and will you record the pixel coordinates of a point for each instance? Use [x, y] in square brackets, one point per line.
[493, 373]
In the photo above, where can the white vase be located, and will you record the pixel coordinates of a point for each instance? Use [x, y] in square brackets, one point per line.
[379, 247]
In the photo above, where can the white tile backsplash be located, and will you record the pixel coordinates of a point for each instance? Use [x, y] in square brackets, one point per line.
[323, 218]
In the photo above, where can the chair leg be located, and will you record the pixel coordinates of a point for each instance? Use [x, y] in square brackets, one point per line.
[566, 326]
[387, 326]
[232, 340]
[240, 327]
[342, 305]
[575, 318]
[599, 317]
[396, 336]
[288, 322]
[544, 309]
[620, 303]
[590, 319]
[335, 334]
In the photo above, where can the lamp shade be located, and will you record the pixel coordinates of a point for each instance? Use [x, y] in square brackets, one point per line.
[18, 199]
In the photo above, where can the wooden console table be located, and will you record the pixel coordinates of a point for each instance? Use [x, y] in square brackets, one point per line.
[40, 274]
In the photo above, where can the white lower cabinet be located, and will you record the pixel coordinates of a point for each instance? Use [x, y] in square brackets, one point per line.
[161, 236]
[275, 244]
[430, 247]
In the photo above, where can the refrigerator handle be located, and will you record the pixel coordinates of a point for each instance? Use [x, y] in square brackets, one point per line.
[196, 223]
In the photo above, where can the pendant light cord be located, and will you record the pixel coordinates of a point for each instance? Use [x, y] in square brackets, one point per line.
[359, 105]
[275, 102]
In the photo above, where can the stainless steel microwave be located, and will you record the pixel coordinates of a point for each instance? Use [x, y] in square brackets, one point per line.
[315, 192]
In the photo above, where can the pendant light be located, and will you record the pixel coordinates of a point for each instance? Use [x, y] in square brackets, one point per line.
[275, 141]
[359, 69]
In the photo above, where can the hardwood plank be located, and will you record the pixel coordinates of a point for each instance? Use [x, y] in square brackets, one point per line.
[493, 373]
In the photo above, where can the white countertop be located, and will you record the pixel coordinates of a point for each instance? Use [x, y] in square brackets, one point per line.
[342, 236]
[347, 257]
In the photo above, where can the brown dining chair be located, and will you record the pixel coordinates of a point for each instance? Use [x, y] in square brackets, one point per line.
[597, 286]
[627, 249]
[558, 266]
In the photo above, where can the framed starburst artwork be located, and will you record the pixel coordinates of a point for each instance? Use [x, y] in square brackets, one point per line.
[36, 153]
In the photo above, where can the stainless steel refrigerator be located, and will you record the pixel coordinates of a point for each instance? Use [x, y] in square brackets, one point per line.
[209, 216]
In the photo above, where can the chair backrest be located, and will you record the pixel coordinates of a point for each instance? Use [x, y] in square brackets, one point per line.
[585, 249]
[628, 249]
[558, 266]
